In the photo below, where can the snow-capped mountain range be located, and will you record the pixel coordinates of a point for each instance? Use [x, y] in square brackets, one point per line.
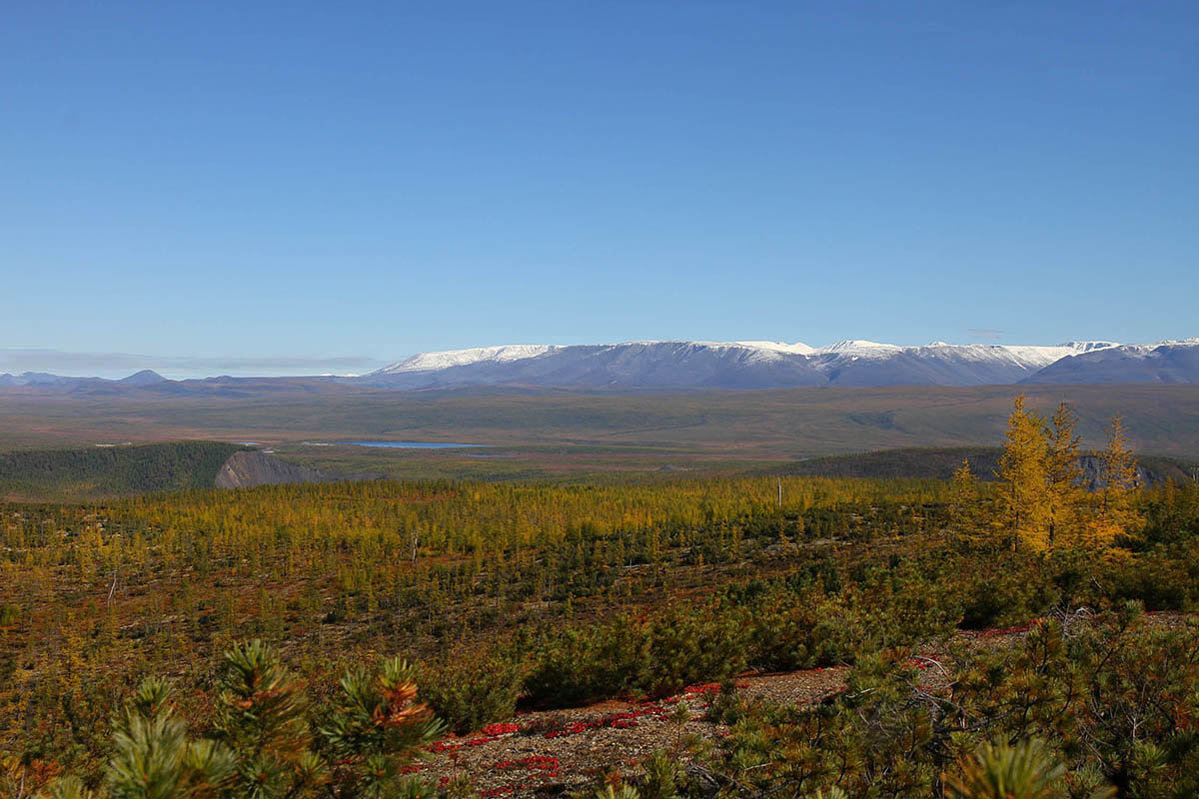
[705, 364]
[769, 364]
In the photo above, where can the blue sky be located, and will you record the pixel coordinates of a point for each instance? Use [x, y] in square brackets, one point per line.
[279, 188]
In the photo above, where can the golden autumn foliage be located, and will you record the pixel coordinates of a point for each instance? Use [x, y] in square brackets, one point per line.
[1042, 501]
[1114, 512]
[1024, 507]
[1064, 495]
[558, 593]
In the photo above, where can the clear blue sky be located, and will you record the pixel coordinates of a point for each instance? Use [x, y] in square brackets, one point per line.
[272, 185]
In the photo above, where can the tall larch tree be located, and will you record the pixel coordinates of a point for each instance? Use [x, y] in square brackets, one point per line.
[1024, 474]
[964, 510]
[1064, 491]
[1115, 511]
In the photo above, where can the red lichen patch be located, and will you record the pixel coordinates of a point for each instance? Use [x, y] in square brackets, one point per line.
[495, 730]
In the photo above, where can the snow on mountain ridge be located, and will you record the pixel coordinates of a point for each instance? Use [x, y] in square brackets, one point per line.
[761, 350]
[1090, 346]
[798, 348]
[1027, 356]
[1173, 342]
[433, 361]
[739, 363]
[860, 348]
[506, 353]
[1147, 350]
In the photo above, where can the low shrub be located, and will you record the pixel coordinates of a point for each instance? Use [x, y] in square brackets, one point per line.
[656, 655]
[471, 688]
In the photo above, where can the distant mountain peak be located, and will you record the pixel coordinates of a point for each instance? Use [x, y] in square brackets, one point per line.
[146, 377]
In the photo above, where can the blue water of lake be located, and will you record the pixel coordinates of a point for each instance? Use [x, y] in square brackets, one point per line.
[410, 444]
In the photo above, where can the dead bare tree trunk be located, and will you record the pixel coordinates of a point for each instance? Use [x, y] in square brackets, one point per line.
[112, 588]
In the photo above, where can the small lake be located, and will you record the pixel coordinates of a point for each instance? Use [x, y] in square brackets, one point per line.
[409, 444]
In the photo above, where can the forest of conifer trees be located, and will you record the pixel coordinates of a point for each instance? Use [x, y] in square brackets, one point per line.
[324, 640]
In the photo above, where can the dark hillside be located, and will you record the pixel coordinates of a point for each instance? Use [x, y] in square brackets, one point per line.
[923, 462]
[940, 464]
[112, 471]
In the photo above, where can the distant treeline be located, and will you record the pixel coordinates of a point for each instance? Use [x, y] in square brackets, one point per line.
[112, 471]
[940, 464]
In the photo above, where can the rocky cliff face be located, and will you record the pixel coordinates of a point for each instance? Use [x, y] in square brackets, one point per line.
[245, 469]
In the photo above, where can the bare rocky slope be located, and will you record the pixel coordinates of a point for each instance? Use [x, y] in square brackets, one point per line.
[247, 469]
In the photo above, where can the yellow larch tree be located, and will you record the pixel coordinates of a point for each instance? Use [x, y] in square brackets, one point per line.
[964, 510]
[1115, 512]
[1065, 493]
[1024, 476]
